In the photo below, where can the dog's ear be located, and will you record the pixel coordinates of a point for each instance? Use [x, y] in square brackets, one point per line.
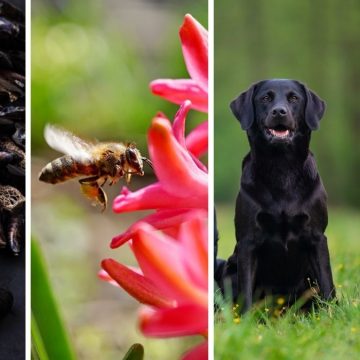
[314, 109]
[243, 108]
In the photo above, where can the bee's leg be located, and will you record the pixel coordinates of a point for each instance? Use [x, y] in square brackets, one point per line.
[119, 173]
[113, 181]
[102, 181]
[91, 189]
[116, 175]
[128, 177]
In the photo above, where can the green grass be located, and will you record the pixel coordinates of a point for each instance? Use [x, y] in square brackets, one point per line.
[332, 332]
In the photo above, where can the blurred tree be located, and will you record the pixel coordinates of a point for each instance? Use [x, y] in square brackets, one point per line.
[316, 43]
[92, 63]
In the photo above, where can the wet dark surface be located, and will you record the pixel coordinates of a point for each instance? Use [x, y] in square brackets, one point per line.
[12, 134]
[12, 325]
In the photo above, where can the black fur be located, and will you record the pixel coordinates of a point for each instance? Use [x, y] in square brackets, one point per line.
[281, 211]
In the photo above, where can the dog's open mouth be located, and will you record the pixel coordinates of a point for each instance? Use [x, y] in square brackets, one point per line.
[280, 132]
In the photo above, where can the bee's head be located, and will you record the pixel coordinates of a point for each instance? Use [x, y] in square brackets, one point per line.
[134, 159]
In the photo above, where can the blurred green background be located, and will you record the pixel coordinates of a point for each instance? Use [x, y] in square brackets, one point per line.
[317, 43]
[92, 62]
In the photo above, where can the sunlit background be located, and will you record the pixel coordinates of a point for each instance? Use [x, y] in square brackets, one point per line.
[318, 44]
[92, 62]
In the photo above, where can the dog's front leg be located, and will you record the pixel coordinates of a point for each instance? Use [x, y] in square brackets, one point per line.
[245, 276]
[320, 264]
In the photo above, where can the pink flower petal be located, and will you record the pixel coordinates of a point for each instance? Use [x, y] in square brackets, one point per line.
[160, 259]
[180, 90]
[199, 164]
[193, 238]
[162, 219]
[155, 197]
[194, 41]
[197, 140]
[103, 275]
[173, 165]
[180, 321]
[199, 352]
[178, 126]
[138, 286]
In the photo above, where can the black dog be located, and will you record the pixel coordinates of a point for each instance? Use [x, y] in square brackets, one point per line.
[281, 212]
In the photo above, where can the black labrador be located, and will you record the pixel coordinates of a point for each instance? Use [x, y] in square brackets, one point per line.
[281, 211]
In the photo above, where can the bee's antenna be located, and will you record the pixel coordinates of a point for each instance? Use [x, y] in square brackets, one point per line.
[148, 161]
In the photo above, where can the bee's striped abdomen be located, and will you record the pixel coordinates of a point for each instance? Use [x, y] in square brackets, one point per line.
[65, 168]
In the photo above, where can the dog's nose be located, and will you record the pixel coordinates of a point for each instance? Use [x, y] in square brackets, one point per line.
[279, 111]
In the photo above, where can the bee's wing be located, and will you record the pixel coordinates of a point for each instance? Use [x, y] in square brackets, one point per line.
[67, 143]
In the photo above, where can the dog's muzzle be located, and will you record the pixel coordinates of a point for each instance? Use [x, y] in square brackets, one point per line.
[279, 125]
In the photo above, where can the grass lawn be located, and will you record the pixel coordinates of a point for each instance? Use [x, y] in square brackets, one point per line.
[332, 332]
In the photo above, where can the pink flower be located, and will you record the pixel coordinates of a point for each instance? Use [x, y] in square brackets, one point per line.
[170, 245]
[183, 180]
[161, 220]
[194, 41]
[172, 282]
[197, 140]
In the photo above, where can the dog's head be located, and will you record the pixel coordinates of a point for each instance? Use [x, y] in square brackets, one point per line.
[278, 110]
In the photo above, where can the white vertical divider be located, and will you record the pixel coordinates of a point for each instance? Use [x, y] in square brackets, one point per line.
[28, 179]
[211, 180]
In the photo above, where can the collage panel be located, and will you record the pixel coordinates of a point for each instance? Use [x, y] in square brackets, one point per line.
[119, 121]
[12, 179]
[145, 116]
[286, 134]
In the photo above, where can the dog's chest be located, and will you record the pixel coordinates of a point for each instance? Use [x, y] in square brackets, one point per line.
[280, 181]
[282, 184]
[283, 194]
[276, 201]
[281, 215]
[281, 228]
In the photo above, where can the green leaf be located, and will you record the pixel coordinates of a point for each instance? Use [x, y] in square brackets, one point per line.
[37, 345]
[136, 352]
[50, 339]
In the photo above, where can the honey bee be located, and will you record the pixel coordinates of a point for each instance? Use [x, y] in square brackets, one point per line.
[98, 162]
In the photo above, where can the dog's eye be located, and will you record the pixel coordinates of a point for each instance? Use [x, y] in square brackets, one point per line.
[266, 98]
[293, 98]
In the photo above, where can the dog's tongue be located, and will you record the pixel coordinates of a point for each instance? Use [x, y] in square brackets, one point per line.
[279, 133]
